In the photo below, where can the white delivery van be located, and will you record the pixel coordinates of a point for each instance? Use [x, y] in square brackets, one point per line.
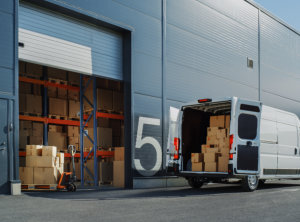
[263, 142]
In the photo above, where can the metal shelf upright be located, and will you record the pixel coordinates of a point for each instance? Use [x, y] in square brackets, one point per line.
[83, 123]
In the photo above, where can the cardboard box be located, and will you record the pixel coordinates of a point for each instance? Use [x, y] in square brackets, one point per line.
[74, 108]
[103, 122]
[217, 121]
[119, 154]
[45, 175]
[227, 121]
[221, 133]
[35, 140]
[209, 157]
[105, 137]
[61, 158]
[62, 93]
[22, 102]
[196, 157]
[52, 92]
[105, 172]
[73, 131]
[197, 166]
[55, 128]
[73, 95]
[36, 89]
[26, 175]
[223, 163]
[23, 132]
[40, 161]
[49, 151]
[34, 69]
[74, 141]
[211, 140]
[37, 129]
[210, 166]
[34, 150]
[25, 88]
[74, 78]
[211, 150]
[118, 174]
[57, 139]
[33, 104]
[22, 66]
[105, 99]
[118, 101]
[58, 107]
[23, 140]
[57, 73]
[25, 125]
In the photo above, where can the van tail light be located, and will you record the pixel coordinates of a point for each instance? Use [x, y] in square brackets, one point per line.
[230, 146]
[176, 145]
[230, 141]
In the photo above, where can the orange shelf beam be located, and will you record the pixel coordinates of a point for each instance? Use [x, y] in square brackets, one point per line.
[47, 83]
[33, 118]
[50, 121]
[107, 115]
[77, 155]
[63, 122]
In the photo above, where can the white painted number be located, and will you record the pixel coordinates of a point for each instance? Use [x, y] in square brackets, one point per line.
[148, 140]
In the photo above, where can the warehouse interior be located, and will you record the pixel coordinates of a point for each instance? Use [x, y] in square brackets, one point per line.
[49, 114]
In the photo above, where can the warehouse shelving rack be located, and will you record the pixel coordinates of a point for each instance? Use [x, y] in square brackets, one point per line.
[84, 119]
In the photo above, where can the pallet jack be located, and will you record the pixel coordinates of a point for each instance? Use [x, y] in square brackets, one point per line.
[67, 179]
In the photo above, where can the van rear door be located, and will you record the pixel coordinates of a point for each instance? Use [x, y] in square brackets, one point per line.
[247, 136]
[173, 146]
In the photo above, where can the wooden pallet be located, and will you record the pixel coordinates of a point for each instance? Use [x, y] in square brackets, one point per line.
[39, 187]
[110, 111]
[30, 114]
[57, 117]
[58, 81]
[31, 76]
[74, 118]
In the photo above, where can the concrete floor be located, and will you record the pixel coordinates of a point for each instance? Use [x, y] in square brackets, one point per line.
[276, 201]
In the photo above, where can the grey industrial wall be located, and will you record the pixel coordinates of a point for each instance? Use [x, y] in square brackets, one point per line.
[8, 94]
[188, 49]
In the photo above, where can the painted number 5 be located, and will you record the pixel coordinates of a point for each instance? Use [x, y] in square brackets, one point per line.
[140, 141]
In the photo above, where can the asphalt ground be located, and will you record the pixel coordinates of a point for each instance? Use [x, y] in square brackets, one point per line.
[275, 201]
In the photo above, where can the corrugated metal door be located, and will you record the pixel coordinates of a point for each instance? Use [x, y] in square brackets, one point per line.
[62, 42]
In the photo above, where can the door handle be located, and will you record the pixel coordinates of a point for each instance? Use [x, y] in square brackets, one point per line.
[249, 143]
[296, 151]
[2, 146]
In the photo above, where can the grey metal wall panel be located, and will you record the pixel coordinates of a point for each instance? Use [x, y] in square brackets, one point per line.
[147, 74]
[7, 6]
[6, 37]
[105, 45]
[7, 81]
[280, 56]
[186, 84]
[203, 40]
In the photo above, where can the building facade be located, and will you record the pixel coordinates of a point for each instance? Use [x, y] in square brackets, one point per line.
[167, 52]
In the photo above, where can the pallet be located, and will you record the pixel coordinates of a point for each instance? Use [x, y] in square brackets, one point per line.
[110, 111]
[30, 114]
[57, 117]
[58, 81]
[31, 76]
[74, 118]
[39, 187]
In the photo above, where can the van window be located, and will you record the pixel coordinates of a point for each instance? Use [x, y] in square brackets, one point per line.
[247, 126]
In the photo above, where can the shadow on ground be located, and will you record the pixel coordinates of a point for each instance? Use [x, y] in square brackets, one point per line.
[113, 194]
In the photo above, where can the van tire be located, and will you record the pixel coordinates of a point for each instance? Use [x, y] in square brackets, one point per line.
[195, 182]
[250, 183]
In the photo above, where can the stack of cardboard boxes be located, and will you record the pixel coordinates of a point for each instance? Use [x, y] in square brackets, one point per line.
[30, 133]
[57, 137]
[214, 154]
[118, 167]
[43, 165]
[73, 136]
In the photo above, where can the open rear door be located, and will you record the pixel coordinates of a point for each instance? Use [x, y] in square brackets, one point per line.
[173, 146]
[247, 136]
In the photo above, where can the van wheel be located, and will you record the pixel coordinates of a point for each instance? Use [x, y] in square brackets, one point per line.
[195, 182]
[250, 183]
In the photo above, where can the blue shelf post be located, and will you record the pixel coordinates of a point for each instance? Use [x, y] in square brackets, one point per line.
[45, 106]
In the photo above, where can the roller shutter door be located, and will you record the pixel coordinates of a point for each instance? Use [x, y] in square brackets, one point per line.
[63, 42]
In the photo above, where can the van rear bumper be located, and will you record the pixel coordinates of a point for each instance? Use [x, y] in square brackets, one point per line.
[204, 174]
